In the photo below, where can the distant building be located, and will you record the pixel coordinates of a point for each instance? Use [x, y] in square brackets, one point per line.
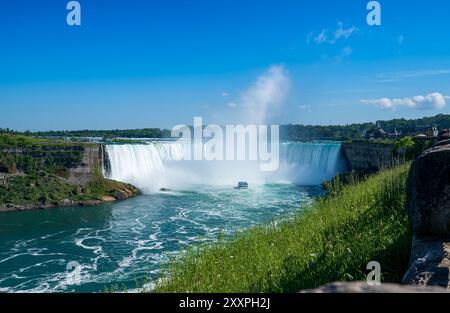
[431, 132]
[376, 133]
[421, 138]
[395, 135]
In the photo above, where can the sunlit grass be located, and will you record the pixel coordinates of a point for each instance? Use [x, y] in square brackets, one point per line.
[332, 240]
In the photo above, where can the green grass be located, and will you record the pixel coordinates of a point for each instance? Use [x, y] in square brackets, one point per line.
[332, 240]
[14, 140]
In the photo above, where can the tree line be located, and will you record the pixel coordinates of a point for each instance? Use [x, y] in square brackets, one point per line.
[287, 132]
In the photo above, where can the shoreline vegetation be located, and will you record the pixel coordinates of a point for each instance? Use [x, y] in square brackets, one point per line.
[289, 132]
[331, 240]
[45, 191]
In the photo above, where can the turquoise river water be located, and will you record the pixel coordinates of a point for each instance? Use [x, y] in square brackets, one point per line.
[91, 249]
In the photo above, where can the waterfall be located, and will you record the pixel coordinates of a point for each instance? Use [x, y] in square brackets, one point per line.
[161, 165]
[309, 163]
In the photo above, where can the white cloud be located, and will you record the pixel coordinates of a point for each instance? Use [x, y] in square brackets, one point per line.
[325, 36]
[341, 32]
[266, 95]
[400, 39]
[321, 38]
[429, 102]
[232, 105]
[225, 94]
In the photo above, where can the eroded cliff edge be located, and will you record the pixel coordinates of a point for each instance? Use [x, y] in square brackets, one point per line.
[45, 174]
[369, 157]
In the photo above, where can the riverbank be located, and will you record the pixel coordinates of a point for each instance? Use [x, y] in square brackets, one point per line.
[333, 240]
[28, 192]
[42, 173]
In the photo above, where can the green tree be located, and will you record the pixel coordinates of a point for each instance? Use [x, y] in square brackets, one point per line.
[405, 147]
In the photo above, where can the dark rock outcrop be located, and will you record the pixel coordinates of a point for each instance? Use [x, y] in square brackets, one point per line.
[363, 287]
[428, 207]
[444, 134]
[429, 192]
[430, 263]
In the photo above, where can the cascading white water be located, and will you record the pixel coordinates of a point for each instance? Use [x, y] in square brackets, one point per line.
[160, 165]
[309, 163]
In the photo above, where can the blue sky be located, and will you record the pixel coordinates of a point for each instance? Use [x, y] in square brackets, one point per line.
[135, 63]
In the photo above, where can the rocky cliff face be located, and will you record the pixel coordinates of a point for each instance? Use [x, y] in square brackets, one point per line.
[37, 157]
[430, 262]
[75, 164]
[429, 210]
[364, 287]
[429, 192]
[85, 171]
[369, 157]
[46, 175]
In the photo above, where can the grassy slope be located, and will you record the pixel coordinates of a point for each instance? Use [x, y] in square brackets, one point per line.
[333, 240]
